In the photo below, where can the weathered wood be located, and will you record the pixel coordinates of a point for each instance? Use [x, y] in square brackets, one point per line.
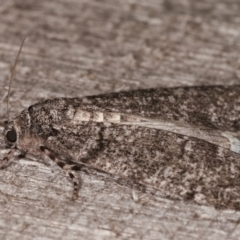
[85, 47]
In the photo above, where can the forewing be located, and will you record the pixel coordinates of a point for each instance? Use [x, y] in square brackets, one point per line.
[211, 106]
[174, 140]
[177, 165]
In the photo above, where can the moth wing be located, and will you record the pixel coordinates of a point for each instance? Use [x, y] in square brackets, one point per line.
[216, 107]
[176, 165]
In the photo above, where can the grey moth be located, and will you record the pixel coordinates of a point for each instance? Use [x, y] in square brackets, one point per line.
[183, 142]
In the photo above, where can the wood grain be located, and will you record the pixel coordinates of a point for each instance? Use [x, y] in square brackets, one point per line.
[85, 47]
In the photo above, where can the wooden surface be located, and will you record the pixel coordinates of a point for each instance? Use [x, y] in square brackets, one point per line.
[85, 47]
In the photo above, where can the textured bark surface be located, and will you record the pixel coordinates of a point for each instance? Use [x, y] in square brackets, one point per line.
[84, 47]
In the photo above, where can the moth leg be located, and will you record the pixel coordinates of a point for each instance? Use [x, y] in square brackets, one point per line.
[69, 170]
[6, 160]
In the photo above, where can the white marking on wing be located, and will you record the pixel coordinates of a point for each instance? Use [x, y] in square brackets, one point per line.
[112, 117]
[234, 141]
[82, 116]
[213, 136]
[227, 140]
[98, 117]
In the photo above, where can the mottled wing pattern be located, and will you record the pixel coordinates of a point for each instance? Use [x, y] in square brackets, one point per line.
[178, 166]
[211, 106]
[181, 141]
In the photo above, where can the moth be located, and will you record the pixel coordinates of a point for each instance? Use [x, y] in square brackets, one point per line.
[184, 141]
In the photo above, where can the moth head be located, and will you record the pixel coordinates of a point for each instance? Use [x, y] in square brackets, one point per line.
[10, 134]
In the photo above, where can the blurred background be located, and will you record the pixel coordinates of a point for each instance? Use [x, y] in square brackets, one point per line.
[76, 48]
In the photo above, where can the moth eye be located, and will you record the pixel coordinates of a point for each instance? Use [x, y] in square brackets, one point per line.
[30, 109]
[12, 136]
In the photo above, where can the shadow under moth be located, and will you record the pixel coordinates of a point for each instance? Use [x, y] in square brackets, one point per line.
[183, 142]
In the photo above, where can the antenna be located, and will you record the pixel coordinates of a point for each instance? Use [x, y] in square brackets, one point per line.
[11, 78]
